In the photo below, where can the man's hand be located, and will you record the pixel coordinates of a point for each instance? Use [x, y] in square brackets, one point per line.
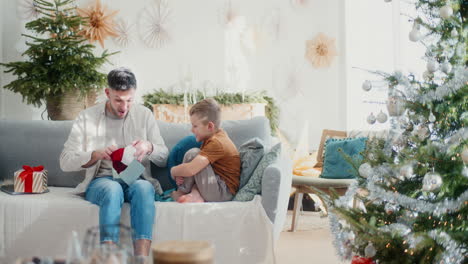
[143, 148]
[100, 154]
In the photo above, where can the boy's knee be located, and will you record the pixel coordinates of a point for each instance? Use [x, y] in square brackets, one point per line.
[191, 154]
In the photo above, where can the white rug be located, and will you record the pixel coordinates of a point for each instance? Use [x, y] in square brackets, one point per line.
[307, 221]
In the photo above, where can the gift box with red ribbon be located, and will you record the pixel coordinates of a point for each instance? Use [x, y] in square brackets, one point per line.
[31, 180]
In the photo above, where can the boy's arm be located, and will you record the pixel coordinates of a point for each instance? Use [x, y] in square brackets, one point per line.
[190, 168]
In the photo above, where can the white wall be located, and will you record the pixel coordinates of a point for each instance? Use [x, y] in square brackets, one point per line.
[198, 46]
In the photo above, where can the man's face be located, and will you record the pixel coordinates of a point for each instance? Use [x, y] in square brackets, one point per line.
[201, 130]
[120, 101]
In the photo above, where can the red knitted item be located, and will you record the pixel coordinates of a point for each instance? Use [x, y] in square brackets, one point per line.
[116, 157]
[361, 260]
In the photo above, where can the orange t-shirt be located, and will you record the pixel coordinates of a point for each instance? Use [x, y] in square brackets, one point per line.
[224, 158]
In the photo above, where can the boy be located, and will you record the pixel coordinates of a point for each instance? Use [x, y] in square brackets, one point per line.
[212, 172]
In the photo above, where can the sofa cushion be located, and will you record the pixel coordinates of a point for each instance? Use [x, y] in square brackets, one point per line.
[34, 143]
[335, 166]
[254, 185]
[251, 152]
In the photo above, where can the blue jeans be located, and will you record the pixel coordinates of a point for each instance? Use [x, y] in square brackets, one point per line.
[109, 195]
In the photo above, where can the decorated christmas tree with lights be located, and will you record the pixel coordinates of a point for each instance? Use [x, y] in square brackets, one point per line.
[410, 201]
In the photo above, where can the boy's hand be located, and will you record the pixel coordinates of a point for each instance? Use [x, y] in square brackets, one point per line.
[143, 148]
[179, 180]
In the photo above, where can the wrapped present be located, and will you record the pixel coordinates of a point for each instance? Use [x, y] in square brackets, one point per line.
[125, 166]
[31, 180]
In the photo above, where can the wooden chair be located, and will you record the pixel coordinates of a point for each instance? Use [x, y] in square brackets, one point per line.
[302, 184]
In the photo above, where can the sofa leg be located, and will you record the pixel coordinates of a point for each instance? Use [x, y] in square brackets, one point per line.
[297, 209]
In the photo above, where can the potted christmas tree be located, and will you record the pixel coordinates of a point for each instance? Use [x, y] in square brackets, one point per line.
[61, 69]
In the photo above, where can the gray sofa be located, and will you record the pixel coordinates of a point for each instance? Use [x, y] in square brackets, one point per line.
[26, 220]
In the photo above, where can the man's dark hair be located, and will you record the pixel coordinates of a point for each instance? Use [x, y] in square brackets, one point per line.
[121, 79]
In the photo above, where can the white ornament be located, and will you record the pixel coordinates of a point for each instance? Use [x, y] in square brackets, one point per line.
[407, 171]
[454, 33]
[396, 105]
[465, 172]
[427, 75]
[432, 65]
[422, 132]
[367, 85]
[432, 118]
[446, 11]
[446, 67]
[371, 119]
[370, 251]
[382, 117]
[351, 236]
[465, 155]
[431, 182]
[365, 170]
[415, 34]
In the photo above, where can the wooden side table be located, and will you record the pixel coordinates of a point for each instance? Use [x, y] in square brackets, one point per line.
[183, 252]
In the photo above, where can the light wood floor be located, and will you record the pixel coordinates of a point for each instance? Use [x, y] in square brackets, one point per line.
[310, 243]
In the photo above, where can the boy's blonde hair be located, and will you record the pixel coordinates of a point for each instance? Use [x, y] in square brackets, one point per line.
[207, 110]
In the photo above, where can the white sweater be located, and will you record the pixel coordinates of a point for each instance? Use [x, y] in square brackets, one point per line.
[88, 134]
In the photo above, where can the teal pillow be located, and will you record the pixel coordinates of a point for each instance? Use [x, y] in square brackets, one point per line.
[254, 185]
[335, 166]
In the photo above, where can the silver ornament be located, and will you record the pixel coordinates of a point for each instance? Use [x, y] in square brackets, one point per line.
[431, 182]
[407, 171]
[465, 172]
[432, 118]
[367, 86]
[454, 33]
[396, 105]
[415, 34]
[391, 208]
[464, 155]
[446, 11]
[365, 170]
[371, 119]
[382, 117]
[427, 75]
[370, 251]
[446, 67]
[432, 65]
[422, 132]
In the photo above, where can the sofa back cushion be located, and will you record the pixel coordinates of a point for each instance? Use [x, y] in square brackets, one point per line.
[36, 143]
[240, 131]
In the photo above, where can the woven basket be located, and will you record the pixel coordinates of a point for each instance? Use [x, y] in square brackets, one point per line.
[68, 105]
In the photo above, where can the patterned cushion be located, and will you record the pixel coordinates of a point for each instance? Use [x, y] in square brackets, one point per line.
[254, 185]
[251, 152]
[335, 166]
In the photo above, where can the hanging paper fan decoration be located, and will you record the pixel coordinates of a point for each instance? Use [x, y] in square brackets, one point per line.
[153, 24]
[124, 32]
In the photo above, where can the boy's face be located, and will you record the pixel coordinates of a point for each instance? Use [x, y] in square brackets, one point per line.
[201, 130]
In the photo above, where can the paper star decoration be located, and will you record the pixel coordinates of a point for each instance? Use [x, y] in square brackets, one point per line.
[100, 22]
[321, 51]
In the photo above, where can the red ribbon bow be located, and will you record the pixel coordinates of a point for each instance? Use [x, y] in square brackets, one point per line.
[27, 176]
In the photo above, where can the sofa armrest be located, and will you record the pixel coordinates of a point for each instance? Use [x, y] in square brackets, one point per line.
[276, 188]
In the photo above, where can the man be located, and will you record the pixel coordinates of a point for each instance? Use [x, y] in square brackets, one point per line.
[96, 133]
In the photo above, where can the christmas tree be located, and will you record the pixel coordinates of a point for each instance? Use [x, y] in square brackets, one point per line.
[58, 59]
[410, 201]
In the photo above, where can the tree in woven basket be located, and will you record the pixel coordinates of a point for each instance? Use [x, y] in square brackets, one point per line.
[59, 63]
